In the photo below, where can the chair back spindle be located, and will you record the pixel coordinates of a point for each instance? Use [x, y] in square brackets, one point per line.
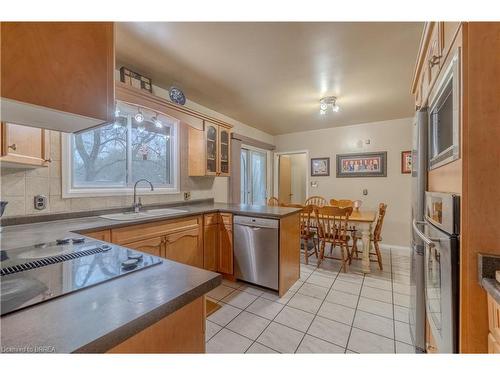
[316, 200]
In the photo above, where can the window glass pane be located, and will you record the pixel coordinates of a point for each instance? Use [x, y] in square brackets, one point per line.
[258, 177]
[151, 151]
[100, 156]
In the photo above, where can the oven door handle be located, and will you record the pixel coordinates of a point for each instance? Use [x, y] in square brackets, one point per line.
[428, 241]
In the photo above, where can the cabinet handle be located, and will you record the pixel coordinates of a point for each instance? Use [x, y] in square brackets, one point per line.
[49, 160]
[13, 146]
[434, 60]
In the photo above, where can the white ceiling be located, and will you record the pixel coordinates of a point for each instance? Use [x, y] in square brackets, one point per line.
[272, 75]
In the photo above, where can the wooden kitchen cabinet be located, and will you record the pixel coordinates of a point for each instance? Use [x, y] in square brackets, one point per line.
[225, 246]
[494, 326]
[209, 150]
[211, 242]
[101, 235]
[180, 332]
[24, 146]
[153, 246]
[180, 240]
[57, 75]
[185, 247]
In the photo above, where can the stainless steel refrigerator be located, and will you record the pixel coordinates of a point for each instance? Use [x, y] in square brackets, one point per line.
[418, 186]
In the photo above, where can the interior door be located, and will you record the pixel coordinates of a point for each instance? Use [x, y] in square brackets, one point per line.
[284, 183]
[253, 176]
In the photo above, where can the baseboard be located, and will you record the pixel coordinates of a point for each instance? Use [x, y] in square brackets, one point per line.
[395, 248]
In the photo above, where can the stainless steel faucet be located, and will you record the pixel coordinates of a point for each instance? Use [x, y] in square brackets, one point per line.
[138, 205]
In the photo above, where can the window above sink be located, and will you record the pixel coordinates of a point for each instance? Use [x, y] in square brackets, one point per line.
[107, 160]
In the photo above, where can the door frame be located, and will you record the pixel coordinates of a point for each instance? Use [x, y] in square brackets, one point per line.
[269, 167]
[277, 173]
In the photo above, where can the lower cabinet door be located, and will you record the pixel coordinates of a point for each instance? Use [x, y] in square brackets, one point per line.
[225, 249]
[210, 247]
[151, 246]
[185, 247]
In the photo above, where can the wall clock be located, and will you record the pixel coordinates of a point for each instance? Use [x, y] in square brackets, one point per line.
[176, 95]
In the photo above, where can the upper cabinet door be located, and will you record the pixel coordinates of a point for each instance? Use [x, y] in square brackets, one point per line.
[212, 148]
[57, 75]
[25, 145]
[225, 147]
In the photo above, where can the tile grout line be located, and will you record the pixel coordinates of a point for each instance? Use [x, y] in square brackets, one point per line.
[355, 312]
[316, 314]
[272, 320]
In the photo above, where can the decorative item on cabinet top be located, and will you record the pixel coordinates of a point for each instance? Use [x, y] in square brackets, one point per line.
[136, 80]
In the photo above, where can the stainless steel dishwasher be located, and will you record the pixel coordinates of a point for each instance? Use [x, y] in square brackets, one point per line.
[256, 250]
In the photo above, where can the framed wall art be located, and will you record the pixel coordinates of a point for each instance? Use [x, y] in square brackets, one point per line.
[368, 164]
[405, 161]
[320, 167]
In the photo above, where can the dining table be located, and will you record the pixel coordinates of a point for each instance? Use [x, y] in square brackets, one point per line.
[363, 221]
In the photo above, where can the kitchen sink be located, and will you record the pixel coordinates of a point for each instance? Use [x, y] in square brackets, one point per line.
[125, 216]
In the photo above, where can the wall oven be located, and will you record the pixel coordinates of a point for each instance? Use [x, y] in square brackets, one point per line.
[441, 267]
[444, 117]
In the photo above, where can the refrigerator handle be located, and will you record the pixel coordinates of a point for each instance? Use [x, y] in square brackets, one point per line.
[428, 241]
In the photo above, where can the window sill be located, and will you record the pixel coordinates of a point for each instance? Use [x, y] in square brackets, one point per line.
[110, 192]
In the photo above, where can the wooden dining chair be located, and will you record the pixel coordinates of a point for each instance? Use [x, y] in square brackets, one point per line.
[333, 229]
[341, 203]
[308, 231]
[375, 237]
[273, 201]
[316, 200]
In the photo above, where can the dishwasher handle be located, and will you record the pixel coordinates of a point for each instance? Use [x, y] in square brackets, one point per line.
[255, 222]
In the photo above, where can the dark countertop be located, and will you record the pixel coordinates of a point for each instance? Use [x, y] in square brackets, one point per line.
[487, 265]
[13, 236]
[100, 317]
[96, 319]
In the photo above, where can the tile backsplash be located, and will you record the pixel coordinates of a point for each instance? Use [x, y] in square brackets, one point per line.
[19, 187]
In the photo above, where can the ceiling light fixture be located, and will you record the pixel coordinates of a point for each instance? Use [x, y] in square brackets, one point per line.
[139, 117]
[157, 122]
[328, 101]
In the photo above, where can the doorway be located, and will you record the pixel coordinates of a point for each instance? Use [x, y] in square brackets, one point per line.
[292, 177]
[253, 176]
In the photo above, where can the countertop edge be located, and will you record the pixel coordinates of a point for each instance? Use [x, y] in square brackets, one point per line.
[124, 332]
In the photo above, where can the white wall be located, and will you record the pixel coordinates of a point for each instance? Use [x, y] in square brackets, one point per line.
[392, 136]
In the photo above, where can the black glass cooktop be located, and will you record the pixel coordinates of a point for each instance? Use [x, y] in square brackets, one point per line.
[34, 274]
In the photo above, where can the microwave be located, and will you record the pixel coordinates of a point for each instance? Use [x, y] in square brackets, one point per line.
[444, 117]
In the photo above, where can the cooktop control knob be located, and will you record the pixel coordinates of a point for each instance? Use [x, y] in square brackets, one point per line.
[63, 241]
[130, 263]
[78, 240]
[106, 247]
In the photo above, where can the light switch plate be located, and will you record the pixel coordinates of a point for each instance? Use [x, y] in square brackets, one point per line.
[365, 191]
[40, 202]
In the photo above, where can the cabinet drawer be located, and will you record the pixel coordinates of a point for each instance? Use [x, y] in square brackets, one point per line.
[211, 219]
[158, 228]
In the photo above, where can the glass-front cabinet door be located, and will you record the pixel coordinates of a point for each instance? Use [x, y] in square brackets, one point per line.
[212, 144]
[225, 139]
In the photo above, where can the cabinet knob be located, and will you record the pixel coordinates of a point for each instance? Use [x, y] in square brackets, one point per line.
[13, 146]
[434, 60]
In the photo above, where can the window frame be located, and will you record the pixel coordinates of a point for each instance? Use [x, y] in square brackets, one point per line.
[69, 191]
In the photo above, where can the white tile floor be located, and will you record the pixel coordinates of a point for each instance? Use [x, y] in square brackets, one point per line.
[326, 311]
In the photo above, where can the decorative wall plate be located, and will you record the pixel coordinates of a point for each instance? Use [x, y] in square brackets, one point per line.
[176, 95]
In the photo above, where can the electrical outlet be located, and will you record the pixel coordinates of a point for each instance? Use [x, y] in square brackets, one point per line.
[40, 202]
[187, 195]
